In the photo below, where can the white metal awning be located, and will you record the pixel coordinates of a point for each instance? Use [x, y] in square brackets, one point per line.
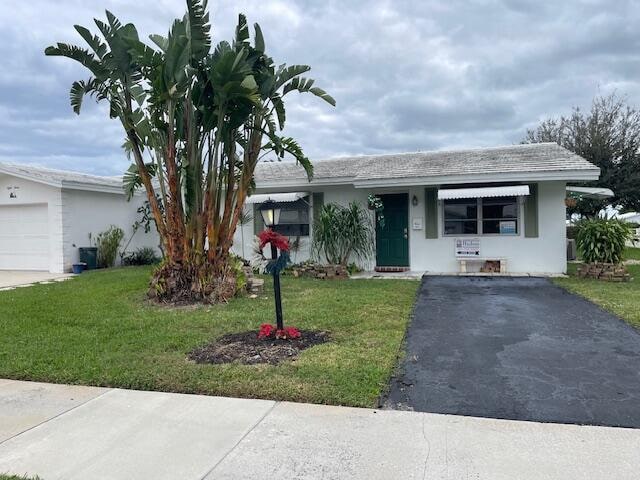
[277, 197]
[482, 192]
[591, 192]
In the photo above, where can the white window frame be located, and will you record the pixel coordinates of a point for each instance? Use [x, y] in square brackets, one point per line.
[479, 221]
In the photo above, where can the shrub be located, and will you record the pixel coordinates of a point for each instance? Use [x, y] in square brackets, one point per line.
[108, 243]
[602, 240]
[353, 268]
[142, 256]
[342, 232]
[237, 265]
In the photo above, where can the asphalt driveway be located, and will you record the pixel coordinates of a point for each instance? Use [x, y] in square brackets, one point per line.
[521, 349]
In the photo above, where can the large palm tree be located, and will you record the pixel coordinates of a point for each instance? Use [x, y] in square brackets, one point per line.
[196, 122]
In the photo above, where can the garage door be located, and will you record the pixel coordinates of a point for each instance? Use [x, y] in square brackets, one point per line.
[24, 237]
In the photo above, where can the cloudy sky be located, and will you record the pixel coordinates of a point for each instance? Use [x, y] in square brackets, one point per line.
[408, 75]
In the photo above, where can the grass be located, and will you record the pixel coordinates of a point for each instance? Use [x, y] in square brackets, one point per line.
[17, 477]
[631, 253]
[98, 329]
[622, 299]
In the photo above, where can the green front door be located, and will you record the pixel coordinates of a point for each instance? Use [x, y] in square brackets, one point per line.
[392, 238]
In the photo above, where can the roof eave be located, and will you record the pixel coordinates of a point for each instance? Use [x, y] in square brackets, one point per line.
[95, 188]
[24, 176]
[565, 175]
[302, 183]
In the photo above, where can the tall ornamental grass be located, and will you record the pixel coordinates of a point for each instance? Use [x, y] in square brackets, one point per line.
[602, 240]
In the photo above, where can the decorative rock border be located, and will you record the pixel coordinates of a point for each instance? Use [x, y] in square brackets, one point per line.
[255, 286]
[610, 272]
[323, 272]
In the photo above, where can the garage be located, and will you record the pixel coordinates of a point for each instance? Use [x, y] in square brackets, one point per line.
[47, 215]
[24, 237]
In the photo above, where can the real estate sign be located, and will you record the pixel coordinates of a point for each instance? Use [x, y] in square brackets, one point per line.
[467, 247]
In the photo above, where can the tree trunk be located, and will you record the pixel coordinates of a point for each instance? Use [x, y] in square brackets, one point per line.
[194, 282]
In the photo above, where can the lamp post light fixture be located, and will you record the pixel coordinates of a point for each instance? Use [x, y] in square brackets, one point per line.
[271, 216]
[270, 213]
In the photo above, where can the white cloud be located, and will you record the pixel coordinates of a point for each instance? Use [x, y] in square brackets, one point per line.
[407, 75]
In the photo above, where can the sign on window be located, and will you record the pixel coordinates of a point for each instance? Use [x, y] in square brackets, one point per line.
[508, 227]
[467, 247]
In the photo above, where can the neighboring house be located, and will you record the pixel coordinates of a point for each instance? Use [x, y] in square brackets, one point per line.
[45, 215]
[505, 204]
[631, 217]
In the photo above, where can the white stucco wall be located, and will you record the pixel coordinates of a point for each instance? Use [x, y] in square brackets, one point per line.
[93, 212]
[332, 194]
[544, 254]
[32, 193]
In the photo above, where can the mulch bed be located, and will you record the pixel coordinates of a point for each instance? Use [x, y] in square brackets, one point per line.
[246, 348]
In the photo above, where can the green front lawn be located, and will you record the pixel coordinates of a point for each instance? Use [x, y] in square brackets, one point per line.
[623, 299]
[97, 329]
[631, 253]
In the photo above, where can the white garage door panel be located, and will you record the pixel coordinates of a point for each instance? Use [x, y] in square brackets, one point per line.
[24, 237]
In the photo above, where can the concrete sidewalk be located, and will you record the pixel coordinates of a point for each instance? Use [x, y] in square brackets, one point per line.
[85, 433]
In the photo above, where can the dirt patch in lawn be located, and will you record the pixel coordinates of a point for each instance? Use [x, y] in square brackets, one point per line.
[248, 349]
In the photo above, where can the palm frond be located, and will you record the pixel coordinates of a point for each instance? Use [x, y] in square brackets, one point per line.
[176, 59]
[283, 145]
[199, 28]
[242, 31]
[93, 41]
[80, 55]
[132, 181]
[78, 90]
[285, 74]
[259, 38]
[114, 23]
[160, 41]
[303, 85]
[278, 105]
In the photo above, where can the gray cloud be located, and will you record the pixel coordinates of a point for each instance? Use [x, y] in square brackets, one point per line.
[407, 75]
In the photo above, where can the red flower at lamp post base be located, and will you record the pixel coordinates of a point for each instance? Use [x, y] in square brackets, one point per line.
[270, 331]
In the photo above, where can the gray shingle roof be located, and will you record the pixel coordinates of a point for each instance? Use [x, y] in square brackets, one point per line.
[60, 177]
[527, 158]
[523, 159]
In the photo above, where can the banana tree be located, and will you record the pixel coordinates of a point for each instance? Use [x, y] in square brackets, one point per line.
[196, 122]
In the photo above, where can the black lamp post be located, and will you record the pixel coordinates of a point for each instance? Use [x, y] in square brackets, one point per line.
[271, 216]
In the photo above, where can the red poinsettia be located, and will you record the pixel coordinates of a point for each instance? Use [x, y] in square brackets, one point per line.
[270, 331]
[274, 238]
[288, 333]
[266, 331]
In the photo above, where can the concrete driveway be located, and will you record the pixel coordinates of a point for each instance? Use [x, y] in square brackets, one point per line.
[15, 278]
[518, 348]
[62, 432]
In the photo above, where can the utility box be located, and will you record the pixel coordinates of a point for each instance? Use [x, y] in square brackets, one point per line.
[89, 255]
[572, 250]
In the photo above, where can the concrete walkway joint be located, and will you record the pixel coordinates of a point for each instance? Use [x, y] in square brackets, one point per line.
[77, 433]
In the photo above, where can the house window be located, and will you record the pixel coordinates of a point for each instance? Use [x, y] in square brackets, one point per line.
[461, 216]
[294, 219]
[481, 216]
